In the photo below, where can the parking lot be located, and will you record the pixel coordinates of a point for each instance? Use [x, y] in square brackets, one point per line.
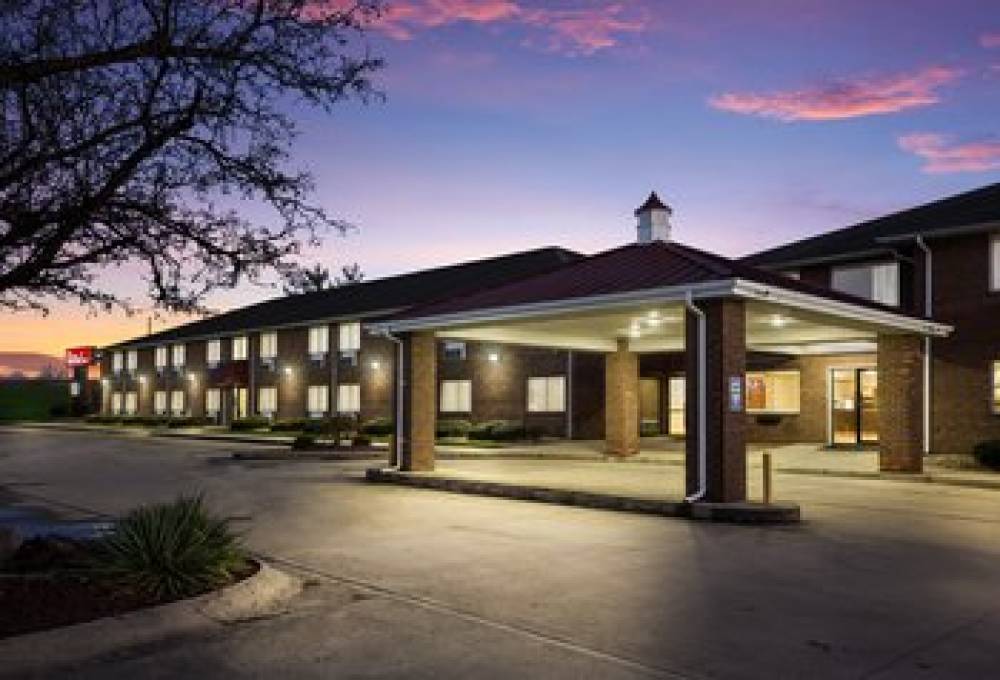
[883, 579]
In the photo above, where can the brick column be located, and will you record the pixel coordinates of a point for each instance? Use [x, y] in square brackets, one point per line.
[725, 322]
[900, 403]
[621, 401]
[419, 401]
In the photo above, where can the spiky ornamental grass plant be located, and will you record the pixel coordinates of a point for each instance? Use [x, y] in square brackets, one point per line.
[172, 550]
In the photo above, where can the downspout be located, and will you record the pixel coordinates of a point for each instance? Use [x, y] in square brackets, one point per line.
[398, 419]
[702, 401]
[569, 395]
[928, 312]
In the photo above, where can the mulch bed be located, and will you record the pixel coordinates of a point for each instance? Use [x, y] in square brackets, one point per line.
[37, 601]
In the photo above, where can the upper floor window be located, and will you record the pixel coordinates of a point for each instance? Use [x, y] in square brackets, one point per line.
[240, 347]
[547, 395]
[268, 346]
[456, 396]
[179, 356]
[319, 341]
[213, 353]
[454, 349]
[773, 392]
[117, 362]
[350, 337]
[995, 263]
[132, 361]
[876, 282]
[160, 357]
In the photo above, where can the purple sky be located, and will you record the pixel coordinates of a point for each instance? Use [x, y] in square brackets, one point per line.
[512, 124]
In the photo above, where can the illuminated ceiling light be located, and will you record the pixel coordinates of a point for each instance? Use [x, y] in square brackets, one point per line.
[778, 321]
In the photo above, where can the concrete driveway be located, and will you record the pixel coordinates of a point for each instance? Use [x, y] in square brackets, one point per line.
[883, 580]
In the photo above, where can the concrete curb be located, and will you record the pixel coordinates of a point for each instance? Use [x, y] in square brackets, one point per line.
[738, 513]
[266, 593]
[909, 478]
[307, 455]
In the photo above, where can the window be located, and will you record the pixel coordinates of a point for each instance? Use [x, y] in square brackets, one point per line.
[240, 348]
[348, 398]
[160, 359]
[268, 346]
[177, 403]
[132, 361]
[350, 337]
[213, 353]
[160, 403]
[456, 396]
[74, 389]
[267, 401]
[876, 282]
[773, 392]
[547, 395]
[178, 356]
[995, 263]
[213, 401]
[318, 400]
[131, 403]
[116, 403]
[454, 349]
[117, 362]
[996, 387]
[319, 341]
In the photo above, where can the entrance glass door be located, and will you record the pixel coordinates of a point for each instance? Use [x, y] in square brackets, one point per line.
[677, 388]
[649, 405]
[853, 406]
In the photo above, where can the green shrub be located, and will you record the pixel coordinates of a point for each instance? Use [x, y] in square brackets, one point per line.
[453, 427]
[249, 424]
[188, 421]
[987, 454]
[333, 427]
[104, 420]
[304, 442]
[172, 550]
[361, 440]
[377, 426]
[290, 425]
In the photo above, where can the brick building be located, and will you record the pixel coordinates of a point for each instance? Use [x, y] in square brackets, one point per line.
[834, 339]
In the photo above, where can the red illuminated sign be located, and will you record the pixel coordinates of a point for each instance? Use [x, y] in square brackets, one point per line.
[79, 356]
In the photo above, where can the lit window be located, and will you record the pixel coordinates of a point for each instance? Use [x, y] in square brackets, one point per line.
[350, 337]
[455, 350]
[240, 348]
[74, 389]
[160, 359]
[177, 403]
[348, 398]
[319, 341]
[773, 392]
[267, 401]
[996, 386]
[117, 362]
[178, 356]
[131, 403]
[132, 361]
[547, 395]
[995, 263]
[268, 346]
[213, 353]
[318, 402]
[116, 403]
[456, 396]
[160, 403]
[213, 401]
[876, 282]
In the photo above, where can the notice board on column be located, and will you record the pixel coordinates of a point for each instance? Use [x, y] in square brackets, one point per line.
[736, 394]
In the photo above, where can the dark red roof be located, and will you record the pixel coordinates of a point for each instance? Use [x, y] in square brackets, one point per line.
[633, 267]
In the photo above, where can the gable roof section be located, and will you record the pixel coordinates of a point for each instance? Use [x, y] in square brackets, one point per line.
[634, 268]
[977, 207]
[370, 298]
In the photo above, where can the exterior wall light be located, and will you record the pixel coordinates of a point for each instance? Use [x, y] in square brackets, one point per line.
[375, 364]
[778, 321]
[288, 371]
[142, 380]
[494, 357]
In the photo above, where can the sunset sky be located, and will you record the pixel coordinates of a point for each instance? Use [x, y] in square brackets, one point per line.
[512, 124]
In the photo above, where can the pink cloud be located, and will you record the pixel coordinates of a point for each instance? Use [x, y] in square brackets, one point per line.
[843, 98]
[579, 30]
[990, 40]
[941, 154]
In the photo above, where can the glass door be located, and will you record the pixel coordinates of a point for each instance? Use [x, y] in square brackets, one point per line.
[853, 406]
[677, 388]
[649, 405]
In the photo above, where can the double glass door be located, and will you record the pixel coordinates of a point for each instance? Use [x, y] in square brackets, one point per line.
[853, 406]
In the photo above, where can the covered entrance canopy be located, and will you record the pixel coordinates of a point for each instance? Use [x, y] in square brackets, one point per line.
[666, 297]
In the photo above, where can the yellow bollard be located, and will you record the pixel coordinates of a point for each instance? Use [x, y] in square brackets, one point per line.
[767, 477]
